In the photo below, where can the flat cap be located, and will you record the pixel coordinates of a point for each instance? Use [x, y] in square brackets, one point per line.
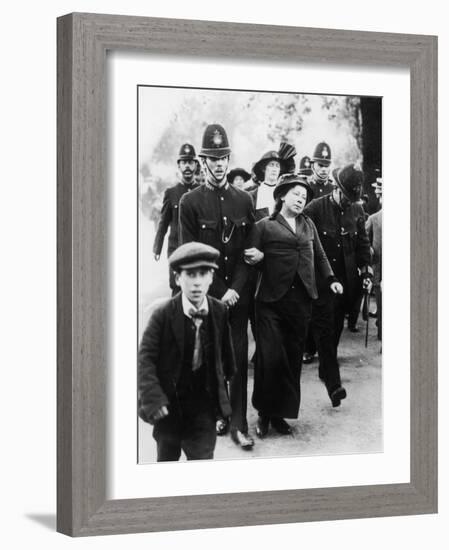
[193, 254]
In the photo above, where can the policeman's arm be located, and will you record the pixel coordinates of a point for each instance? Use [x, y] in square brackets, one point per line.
[322, 264]
[188, 230]
[362, 244]
[253, 253]
[162, 226]
[242, 270]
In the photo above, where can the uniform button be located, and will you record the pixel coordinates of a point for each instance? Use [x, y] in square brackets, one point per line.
[334, 260]
[338, 246]
[226, 277]
[243, 223]
[324, 232]
[176, 206]
[203, 226]
[222, 198]
[226, 258]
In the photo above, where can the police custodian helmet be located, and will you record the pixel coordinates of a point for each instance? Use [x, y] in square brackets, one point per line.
[322, 154]
[187, 152]
[305, 166]
[215, 142]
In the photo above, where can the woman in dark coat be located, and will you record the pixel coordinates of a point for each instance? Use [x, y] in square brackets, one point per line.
[292, 254]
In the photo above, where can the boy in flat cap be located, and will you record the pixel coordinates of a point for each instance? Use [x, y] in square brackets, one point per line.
[187, 167]
[185, 360]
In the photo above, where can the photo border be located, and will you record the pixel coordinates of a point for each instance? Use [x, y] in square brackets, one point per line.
[83, 42]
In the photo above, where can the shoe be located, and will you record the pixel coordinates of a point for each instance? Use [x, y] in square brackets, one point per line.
[245, 441]
[337, 395]
[353, 328]
[281, 426]
[221, 426]
[308, 357]
[373, 315]
[262, 425]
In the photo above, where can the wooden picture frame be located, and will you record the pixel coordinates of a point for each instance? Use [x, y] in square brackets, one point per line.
[83, 41]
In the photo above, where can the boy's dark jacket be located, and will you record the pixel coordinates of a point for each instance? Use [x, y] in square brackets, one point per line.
[161, 356]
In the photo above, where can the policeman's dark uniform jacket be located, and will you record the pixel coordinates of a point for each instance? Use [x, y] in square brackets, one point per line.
[345, 242]
[323, 155]
[170, 211]
[222, 217]
[284, 304]
[166, 372]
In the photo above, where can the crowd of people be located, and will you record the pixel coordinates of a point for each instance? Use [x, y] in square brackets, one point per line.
[289, 251]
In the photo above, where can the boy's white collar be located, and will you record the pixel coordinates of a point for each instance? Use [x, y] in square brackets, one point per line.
[187, 305]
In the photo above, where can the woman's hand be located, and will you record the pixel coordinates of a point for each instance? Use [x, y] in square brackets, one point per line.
[337, 288]
[253, 255]
[231, 297]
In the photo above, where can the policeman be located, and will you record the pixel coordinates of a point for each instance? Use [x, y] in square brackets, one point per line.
[187, 165]
[221, 215]
[305, 167]
[318, 169]
[319, 180]
[340, 222]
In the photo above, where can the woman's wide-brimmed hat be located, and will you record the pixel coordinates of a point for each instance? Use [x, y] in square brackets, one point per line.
[238, 172]
[285, 157]
[287, 181]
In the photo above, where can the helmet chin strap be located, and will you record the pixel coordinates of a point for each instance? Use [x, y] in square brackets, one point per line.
[315, 173]
[215, 181]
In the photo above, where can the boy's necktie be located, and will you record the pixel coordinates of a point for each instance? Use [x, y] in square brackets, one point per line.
[197, 317]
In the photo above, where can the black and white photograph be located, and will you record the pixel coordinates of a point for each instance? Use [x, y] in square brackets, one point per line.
[259, 274]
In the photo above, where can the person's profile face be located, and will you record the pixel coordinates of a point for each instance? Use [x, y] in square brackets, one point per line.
[294, 200]
[195, 283]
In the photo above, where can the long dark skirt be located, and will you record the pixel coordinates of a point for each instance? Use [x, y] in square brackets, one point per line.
[281, 332]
